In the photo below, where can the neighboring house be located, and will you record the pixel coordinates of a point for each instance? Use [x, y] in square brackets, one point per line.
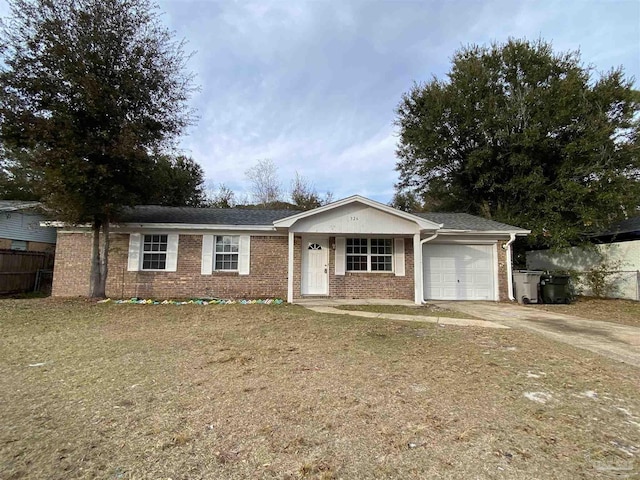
[352, 248]
[20, 227]
[620, 246]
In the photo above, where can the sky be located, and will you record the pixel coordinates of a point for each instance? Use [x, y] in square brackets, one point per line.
[313, 85]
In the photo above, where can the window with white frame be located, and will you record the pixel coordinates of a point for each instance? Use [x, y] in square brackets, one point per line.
[369, 254]
[154, 252]
[225, 253]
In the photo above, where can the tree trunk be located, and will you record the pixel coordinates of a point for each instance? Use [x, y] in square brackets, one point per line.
[104, 258]
[99, 259]
[94, 278]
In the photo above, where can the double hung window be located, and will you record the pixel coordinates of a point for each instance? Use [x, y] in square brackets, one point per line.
[369, 254]
[227, 248]
[154, 252]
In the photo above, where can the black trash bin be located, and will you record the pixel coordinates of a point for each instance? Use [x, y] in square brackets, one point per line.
[554, 288]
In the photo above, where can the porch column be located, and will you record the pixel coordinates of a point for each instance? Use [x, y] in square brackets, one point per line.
[290, 269]
[417, 269]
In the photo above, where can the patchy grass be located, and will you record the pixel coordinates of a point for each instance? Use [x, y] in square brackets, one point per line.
[626, 312]
[426, 310]
[234, 392]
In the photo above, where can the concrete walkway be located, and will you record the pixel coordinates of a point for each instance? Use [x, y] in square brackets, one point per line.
[328, 306]
[616, 341]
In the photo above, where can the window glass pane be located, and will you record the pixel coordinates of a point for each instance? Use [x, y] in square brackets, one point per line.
[381, 246]
[153, 249]
[356, 245]
[381, 263]
[226, 252]
[227, 243]
[226, 261]
[357, 262]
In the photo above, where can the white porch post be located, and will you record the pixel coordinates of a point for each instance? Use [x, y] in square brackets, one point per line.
[417, 269]
[290, 269]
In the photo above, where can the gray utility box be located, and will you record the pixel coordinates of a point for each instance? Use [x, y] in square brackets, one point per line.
[527, 285]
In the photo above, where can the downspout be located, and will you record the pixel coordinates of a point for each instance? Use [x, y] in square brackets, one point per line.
[507, 247]
[422, 242]
[421, 269]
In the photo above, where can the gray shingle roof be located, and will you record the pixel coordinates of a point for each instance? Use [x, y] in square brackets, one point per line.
[15, 205]
[465, 221]
[203, 216]
[629, 225]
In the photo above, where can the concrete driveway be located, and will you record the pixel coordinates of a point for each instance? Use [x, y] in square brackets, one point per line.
[618, 342]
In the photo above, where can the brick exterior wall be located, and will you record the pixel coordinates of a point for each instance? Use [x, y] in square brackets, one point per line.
[373, 285]
[72, 265]
[503, 285]
[361, 284]
[267, 278]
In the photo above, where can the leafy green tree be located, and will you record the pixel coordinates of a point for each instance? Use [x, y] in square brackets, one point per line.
[89, 88]
[179, 182]
[407, 201]
[17, 181]
[526, 136]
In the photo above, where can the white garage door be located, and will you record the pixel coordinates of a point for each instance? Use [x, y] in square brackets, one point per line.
[458, 272]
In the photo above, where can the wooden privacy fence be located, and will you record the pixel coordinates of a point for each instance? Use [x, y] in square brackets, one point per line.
[19, 270]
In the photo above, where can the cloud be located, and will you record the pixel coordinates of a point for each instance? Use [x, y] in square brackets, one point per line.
[313, 85]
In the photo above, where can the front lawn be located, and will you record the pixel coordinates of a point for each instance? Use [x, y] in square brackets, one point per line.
[254, 391]
[427, 310]
[626, 312]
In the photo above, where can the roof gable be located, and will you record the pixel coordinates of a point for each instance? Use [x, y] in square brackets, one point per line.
[354, 214]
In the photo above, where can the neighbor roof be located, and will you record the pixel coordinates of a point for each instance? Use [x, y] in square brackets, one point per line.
[467, 222]
[203, 216]
[630, 225]
[16, 205]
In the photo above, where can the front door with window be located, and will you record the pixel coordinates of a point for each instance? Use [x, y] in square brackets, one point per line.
[315, 267]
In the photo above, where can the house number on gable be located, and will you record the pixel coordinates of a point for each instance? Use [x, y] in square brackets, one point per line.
[353, 219]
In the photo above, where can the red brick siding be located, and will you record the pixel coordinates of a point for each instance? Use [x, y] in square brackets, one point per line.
[267, 278]
[72, 265]
[503, 286]
[374, 285]
[361, 285]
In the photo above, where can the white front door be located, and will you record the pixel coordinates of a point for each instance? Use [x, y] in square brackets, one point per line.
[315, 267]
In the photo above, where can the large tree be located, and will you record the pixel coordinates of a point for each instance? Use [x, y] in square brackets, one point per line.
[89, 89]
[524, 135]
[178, 181]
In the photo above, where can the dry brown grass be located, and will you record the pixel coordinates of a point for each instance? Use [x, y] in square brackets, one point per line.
[187, 392]
[426, 310]
[626, 312]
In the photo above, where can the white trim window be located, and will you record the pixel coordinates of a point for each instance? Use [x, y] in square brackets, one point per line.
[369, 255]
[154, 252]
[226, 253]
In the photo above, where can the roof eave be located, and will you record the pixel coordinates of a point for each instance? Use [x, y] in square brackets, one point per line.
[168, 226]
[451, 231]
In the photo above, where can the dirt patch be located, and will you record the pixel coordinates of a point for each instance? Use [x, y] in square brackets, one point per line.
[626, 312]
[125, 391]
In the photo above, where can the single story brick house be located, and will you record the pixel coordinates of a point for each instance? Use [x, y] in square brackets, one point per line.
[351, 248]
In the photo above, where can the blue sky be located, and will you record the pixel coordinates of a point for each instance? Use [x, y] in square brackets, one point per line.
[312, 85]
